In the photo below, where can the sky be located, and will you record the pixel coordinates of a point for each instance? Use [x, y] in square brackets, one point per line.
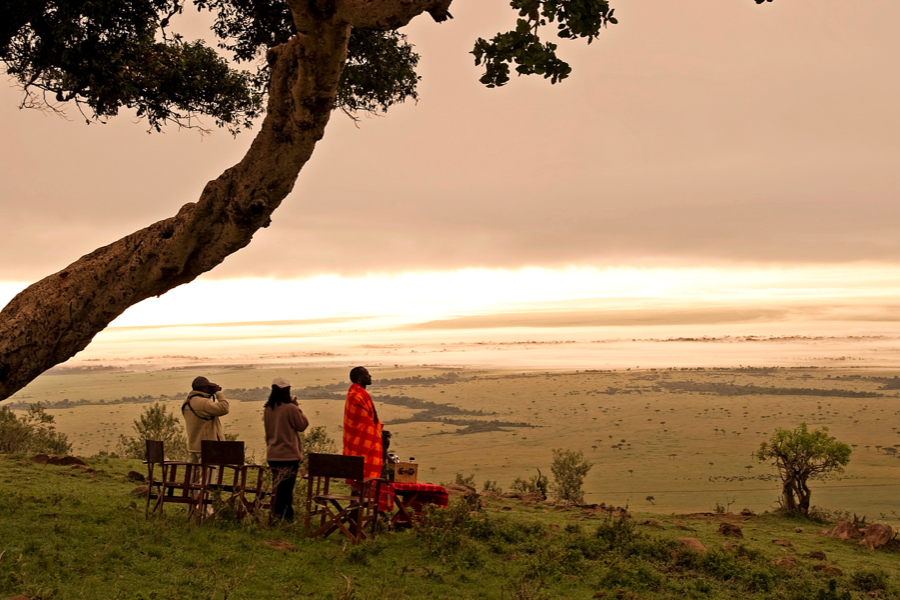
[699, 150]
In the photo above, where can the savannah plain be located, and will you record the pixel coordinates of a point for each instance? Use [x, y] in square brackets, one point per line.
[662, 439]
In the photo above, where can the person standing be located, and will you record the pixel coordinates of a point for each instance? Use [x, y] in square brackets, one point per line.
[283, 422]
[201, 412]
[362, 428]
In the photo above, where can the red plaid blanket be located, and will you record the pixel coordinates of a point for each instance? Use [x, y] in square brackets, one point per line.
[425, 493]
[362, 430]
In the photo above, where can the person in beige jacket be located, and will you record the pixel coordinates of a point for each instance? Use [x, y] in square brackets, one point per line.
[201, 411]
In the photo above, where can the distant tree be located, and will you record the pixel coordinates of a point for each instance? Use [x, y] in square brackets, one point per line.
[33, 431]
[155, 423]
[801, 455]
[569, 469]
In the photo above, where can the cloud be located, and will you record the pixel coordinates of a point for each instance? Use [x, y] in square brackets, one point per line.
[687, 135]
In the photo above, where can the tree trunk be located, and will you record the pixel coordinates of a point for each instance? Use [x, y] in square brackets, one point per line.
[787, 496]
[803, 497]
[58, 316]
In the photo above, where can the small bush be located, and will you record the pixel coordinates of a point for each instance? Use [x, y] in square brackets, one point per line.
[832, 592]
[155, 423]
[468, 481]
[491, 487]
[31, 432]
[824, 515]
[442, 529]
[617, 531]
[869, 580]
[535, 485]
[569, 470]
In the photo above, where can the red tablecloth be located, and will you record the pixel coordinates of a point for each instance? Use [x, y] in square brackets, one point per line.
[425, 493]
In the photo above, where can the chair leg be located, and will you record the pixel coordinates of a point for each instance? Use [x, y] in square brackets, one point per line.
[149, 489]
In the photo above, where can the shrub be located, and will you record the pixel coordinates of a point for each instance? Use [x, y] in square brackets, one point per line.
[569, 470]
[491, 487]
[617, 531]
[468, 481]
[442, 529]
[33, 431]
[155, 423]
[316, 440]
[536, 485]
[869, 581]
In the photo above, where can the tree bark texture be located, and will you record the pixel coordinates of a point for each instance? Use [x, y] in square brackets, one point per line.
[57, 317]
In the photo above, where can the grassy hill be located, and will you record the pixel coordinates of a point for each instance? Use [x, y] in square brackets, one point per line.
[67, 532]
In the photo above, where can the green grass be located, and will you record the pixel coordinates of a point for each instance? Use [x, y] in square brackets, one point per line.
[67, 533]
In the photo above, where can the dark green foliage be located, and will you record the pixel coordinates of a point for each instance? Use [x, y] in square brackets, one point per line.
[523, 45]
[31, 432]
[107, 54]
[380, 71]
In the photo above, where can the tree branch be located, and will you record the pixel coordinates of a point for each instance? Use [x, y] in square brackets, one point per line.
[387, 14]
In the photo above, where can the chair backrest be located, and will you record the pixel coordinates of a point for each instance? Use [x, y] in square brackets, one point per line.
[221, 453]
[337, 466]
[155, 453]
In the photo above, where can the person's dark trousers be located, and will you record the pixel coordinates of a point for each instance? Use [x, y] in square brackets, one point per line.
[284, 473]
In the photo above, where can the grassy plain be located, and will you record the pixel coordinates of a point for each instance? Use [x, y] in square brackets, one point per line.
[683, 437]
[71, 534]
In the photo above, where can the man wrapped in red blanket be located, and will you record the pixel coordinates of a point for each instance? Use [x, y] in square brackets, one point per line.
[362, 429]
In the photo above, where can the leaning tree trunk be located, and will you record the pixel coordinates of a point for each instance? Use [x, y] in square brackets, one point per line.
[804, 495]
[58, 316]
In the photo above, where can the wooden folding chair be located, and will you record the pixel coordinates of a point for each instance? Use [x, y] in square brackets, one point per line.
[170, 488]
[347, 513]
[218, 459]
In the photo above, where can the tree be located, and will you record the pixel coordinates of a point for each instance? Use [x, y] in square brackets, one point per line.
[155, 423]
[310, 57]
[569, 470]
[801, 455]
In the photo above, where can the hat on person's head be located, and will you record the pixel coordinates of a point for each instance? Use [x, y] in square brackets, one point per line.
[200, 382]
[281, 382]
